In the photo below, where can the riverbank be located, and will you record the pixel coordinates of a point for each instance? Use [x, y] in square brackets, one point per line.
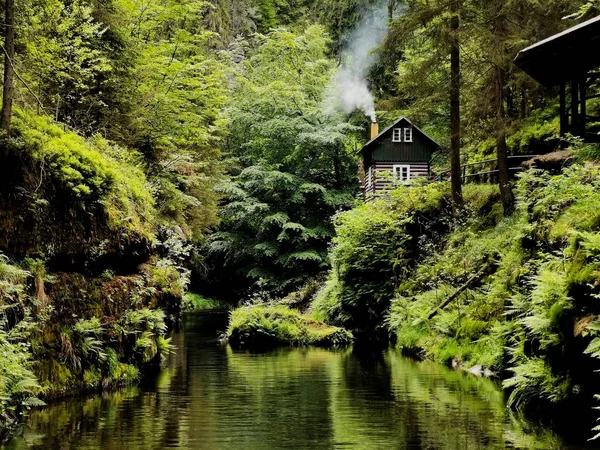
[211, 396]
[193, 301]
[87, 298]
[515, 296]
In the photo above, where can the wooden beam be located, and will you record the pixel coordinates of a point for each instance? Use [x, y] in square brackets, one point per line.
[564, 118]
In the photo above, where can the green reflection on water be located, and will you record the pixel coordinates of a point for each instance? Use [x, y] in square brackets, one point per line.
[211, 397]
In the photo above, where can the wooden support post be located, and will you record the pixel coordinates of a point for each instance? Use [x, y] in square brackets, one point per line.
[582, 100]
[564, 118]
[575, 107]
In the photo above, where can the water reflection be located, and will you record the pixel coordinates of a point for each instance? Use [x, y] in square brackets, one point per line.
[212, 397]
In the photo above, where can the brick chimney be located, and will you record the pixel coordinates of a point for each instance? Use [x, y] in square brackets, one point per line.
[374, 130]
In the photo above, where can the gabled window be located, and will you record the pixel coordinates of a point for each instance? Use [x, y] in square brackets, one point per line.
[408, 134]
[397, 135]
[402, 173]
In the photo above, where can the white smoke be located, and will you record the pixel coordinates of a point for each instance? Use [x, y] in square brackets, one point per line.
[348, 90]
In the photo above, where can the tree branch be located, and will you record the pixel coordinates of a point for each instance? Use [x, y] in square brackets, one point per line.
[21, 79]
[460, 290]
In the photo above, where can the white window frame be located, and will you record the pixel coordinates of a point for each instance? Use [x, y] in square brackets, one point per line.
[397, 135]
[408, 134]
[398, 169]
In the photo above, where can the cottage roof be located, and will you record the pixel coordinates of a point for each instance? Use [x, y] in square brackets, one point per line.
[564, 56]
[380, 135]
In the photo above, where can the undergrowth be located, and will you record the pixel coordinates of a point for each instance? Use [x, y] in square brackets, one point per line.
[267, 325]
[193, 301]
[515, 295]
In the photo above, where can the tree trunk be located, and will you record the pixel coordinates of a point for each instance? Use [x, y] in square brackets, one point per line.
[456, 182]
[508, 198]
[9, 74]
[337, 167]
[506, 193]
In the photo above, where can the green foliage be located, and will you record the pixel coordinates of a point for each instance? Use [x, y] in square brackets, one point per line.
[169, 278]
[146, 78]
[274, 233]
[178, 91]
[277, 116]
[376, 246]
[71, 60]
[294, 169]
[144, 329]
[264, 325]
[90, 172]
[491, 34]
[193, 301]
[137, 105]
[519, 285]
[19, 386]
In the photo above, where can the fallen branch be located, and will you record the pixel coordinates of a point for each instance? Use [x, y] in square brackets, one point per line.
[460, 290]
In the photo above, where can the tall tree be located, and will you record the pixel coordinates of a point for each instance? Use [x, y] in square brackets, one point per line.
[506, 193]
[456, 180]
[8, 91]
[298, 169]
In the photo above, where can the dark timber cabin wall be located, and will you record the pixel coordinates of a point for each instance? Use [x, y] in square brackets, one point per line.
[381, 154]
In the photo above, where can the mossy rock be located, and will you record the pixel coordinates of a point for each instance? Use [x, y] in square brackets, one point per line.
[75, 202]
[264, 326]
[76, 295]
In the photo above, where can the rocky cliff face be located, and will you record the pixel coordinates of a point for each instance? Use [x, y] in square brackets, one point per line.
[93, 297]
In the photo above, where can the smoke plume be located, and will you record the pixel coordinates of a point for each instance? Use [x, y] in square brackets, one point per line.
[349, 90]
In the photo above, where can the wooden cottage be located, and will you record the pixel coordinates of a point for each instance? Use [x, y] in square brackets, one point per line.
[398, 154]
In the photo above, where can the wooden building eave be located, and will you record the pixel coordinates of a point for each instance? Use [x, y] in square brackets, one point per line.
[563, 56]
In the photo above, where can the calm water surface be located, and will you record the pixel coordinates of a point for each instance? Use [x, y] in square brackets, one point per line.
[211, 397]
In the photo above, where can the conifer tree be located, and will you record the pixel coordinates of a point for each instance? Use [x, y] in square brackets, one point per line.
[456, 178]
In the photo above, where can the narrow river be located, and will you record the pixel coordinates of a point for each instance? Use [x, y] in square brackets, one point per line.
[211, 397]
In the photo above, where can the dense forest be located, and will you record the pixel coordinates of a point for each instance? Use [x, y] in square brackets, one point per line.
[151, 147]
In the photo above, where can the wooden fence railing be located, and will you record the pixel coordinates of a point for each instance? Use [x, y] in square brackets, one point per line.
[472, 173]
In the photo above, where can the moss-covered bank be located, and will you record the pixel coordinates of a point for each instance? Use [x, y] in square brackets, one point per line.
[86, 294]
[270, 325]
[192, 301]
[515, 295]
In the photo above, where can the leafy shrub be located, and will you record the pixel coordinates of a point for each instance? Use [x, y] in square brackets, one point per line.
[375, 248]
[195, 302]
[533, 279]
[143, 331]
[19, 386]
[168, 277]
